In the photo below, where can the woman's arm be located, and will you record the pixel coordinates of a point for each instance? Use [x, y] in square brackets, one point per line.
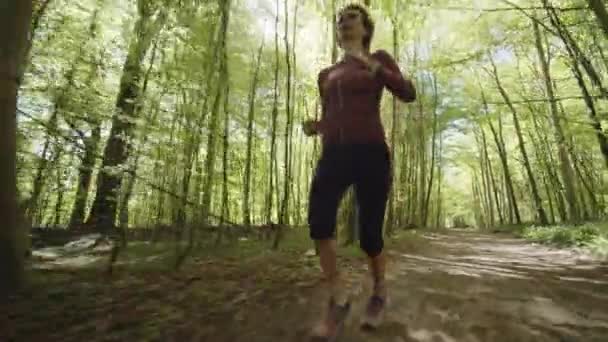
[320, 81]
[391, 76]
[312, 127]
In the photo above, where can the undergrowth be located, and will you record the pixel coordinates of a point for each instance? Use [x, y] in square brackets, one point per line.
[590, 236]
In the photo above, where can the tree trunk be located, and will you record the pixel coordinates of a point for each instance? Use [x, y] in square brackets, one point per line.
[14, 32]
[31, 204]
[575, 51]
[103, 212]
[492, 179]
[599, 8]
[273, 133]
[59, 190]
[85, 175]
[502, 153]
[542, 217]
[283, 216]
[214, 119]
[390, 221]
[225, 211]
[565, 166]
[595, 121]
[429, 190]
[250, 121]
[438, 223]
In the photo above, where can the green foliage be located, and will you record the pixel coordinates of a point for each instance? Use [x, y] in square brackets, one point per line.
[591, 235]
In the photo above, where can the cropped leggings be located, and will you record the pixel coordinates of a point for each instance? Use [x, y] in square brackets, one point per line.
[368, 168]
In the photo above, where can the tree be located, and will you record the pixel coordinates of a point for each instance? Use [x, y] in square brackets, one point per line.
[542, 217]
[15, 18]
[103, 212]
[599, 8]
[565, 166]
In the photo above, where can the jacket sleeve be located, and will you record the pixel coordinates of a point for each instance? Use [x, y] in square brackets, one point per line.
[320, 80]
[393, 79]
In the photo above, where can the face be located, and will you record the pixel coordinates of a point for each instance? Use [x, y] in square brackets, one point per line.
[350, 26]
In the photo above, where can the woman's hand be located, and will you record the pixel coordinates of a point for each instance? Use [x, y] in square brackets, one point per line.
[310, 127]
[372, 64]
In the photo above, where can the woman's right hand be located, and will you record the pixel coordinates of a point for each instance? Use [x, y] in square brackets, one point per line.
[310, 127]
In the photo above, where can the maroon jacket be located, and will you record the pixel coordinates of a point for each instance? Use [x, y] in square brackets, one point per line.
[350, 99]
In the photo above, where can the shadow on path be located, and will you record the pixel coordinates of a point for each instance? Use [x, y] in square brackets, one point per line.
[482, 288]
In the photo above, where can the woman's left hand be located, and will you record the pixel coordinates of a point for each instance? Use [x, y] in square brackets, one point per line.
[372, 64]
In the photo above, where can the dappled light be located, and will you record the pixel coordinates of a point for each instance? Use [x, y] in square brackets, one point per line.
[297, 170]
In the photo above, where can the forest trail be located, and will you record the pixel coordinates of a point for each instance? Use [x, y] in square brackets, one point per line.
[480, 288]
[459, 286]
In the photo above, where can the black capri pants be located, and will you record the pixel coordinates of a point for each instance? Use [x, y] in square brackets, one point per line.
[368, 168]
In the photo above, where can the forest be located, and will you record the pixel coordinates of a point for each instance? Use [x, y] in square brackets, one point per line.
[174, 128]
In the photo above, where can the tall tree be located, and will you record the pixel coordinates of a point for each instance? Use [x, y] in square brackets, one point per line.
[250, 122]
[283, 215]
[565, 166]
[273, 130]
[109, 180]
[215, 115]
[15, 18]
[541, 215]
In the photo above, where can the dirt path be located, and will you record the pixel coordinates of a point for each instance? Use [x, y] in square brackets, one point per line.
[457, 287]
[471, 287]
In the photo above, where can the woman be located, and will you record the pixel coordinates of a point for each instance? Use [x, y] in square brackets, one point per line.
[354, 153]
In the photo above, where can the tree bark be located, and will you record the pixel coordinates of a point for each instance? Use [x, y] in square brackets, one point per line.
[542, 217]
[283, 215]
[565, 166]
[429, 187]
[273, 133]
[103, 212]
[85, 175]
[390, 221]
[502, 153]
[15, 16]
[214, 119]
[599, 8]
[250, 122]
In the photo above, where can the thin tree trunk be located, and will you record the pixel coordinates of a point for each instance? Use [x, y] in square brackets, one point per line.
[214, 119]
[429, 190]
[575, 51]
[85, 175]
[595, 121]
[390, 226]
[491, 177]
[542, 217]
[275, 114]
[565, 166]
[438, 223]
[283, 216]
[502, 153]
[225, 211]
[31, 205]
[59, 190]
[250, 121]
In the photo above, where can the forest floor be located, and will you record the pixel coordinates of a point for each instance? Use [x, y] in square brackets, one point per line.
[454, 286]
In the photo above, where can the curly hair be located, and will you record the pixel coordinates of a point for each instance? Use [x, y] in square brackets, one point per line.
[366, 18]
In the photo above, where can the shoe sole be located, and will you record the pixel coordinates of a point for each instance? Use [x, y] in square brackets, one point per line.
[370, 323]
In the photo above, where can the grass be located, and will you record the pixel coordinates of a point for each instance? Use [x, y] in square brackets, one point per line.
[590, 236]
